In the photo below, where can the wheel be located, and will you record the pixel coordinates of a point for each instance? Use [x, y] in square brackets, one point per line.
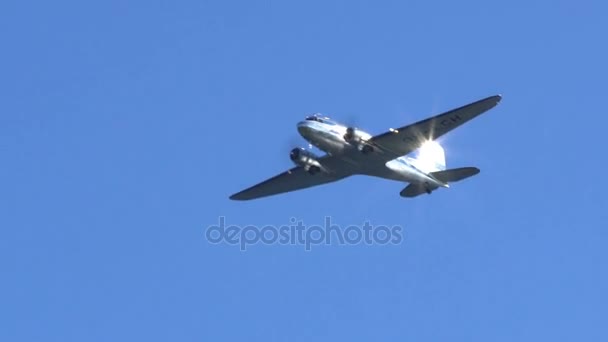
[366, 149]
[313, 170]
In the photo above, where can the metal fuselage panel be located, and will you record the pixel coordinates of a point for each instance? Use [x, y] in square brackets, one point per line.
[329, 137]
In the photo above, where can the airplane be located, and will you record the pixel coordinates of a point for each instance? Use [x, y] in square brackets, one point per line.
[351, 151]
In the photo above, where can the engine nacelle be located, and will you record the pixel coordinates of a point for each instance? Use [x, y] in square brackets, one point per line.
[359, 139]
[306, 159]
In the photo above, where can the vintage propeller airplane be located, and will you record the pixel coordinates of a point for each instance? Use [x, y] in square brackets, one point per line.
[350, 151]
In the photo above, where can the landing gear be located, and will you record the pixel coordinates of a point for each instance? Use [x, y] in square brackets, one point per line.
[313, 169]
[366, 149]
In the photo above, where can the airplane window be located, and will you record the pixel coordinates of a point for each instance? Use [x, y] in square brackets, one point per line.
[314, 118]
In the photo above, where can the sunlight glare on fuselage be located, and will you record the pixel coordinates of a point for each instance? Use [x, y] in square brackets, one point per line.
[431, 148]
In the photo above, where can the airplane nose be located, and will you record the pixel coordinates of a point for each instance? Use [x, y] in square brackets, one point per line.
[304, 129]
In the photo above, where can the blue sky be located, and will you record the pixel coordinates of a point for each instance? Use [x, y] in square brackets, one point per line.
[125, 126]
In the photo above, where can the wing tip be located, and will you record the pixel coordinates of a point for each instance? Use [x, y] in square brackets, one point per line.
[237, 197]
[474, 170]
[496, 98]
[489, 102]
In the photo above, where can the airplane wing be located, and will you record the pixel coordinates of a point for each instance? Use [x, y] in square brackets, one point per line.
[294, 179]
[404, 140]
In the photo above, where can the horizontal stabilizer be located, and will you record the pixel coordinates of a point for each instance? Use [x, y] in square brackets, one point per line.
[454, 175]
[416, 189]
[447, 176]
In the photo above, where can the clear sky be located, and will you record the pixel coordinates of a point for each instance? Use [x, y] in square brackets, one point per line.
[125, 126]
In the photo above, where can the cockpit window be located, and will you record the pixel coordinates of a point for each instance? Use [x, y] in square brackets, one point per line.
[314, 118]
[321, 119]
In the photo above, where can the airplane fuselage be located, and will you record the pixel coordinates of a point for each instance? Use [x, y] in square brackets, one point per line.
[329, 137]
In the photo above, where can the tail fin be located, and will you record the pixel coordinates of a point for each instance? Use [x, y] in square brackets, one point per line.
[430, 157]
[454, 175]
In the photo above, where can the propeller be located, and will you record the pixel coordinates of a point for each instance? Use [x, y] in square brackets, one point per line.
[351, 126]
[291, 143]
[351, 120]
